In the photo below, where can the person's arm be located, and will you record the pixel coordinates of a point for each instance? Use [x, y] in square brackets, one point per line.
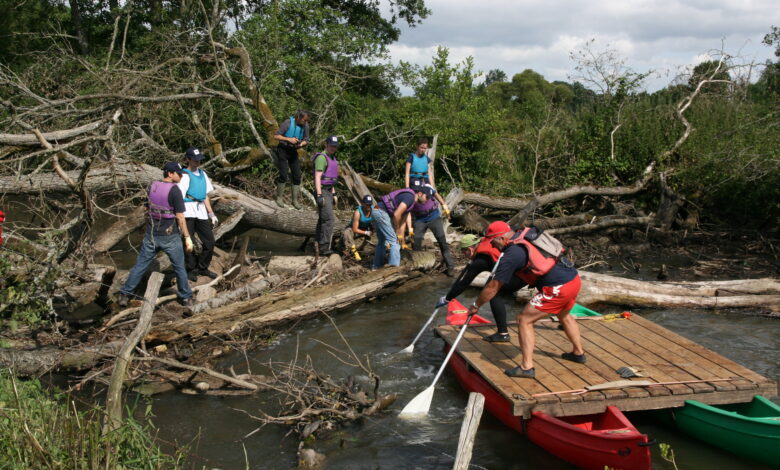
[318, 183]
[444, 208]
[475, 267]
[280, 133]
[188, 246]
[305, 140]
[430, 173]
[406, 174]
[488, 292]
[398, 220]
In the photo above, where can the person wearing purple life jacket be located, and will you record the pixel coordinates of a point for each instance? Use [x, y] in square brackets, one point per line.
[390, 216]
[165, 226]
[428, 216]
[326, 175]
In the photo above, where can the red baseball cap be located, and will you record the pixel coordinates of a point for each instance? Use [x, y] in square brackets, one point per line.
[497, 228]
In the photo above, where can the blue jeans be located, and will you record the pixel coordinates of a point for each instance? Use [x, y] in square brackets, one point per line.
[385, 234]
[174, 248]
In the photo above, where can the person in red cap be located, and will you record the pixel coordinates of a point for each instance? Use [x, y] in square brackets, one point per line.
[2, 219]
[483, 257]
[557, 283]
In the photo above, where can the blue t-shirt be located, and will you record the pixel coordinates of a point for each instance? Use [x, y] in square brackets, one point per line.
[516, 257]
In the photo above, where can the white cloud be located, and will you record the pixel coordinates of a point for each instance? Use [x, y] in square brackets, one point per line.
[660, 35]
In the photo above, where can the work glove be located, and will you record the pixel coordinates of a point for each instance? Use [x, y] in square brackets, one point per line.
[320, 200]
[188, 246]
[442, 301]
[404, 246]
[445, 210]
[368, 233]
[335, 200]
[214, 219]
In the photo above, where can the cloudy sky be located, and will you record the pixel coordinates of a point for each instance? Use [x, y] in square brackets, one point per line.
[665, 36]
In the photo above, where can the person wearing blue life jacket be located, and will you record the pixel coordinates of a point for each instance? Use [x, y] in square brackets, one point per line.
[326, 175]
[196, 185]
[361, 224]
[292, 135]
[165, 226]
[419, 171]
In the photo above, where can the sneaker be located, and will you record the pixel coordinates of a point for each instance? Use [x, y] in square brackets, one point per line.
[209, 274]
[193, 276]
[122, 300]
[521, 373]
[497, 338]
[188, 302]
[578, 358]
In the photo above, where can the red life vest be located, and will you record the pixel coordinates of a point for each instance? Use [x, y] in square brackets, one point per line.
[486, 248]
[538, 264]
[2, 219]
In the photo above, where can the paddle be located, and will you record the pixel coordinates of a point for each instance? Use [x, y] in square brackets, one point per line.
[410, 348]
[420, 404]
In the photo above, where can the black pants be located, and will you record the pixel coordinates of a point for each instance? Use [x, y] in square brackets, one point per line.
[325, 219]
[206, 234]
[287, 162]
[437, 227]
[498, 303]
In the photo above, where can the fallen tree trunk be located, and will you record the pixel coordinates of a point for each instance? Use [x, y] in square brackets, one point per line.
[274, 309]
[36, 362]
[120, 229]
[613, 290]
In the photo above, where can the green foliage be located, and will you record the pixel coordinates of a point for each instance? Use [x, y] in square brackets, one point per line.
[25, 292]
[37, 431]
[667, 453]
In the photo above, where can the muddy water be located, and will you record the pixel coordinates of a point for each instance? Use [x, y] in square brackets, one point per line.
[216, 427]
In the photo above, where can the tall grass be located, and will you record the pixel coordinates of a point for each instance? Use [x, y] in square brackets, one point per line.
[43, 432]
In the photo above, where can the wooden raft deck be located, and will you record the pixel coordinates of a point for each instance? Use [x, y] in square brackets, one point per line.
[660, 354]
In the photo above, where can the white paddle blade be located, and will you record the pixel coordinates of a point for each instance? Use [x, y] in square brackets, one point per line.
[419, 405]
[407, 350]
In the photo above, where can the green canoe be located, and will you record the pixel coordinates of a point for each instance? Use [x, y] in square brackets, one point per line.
[580, 311]
[751, 430]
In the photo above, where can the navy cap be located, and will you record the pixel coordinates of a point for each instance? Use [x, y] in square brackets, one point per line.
[194, 154]
[172, 167]
[368, 200]
[427, 190]
[332, 140]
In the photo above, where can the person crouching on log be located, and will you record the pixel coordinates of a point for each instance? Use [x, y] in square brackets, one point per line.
[390, 218]
[362, 220]
[165, 225]
[326, 175]
[196, 185]
[429, 215]
[483, 256]
[292, 135]
[557, 283]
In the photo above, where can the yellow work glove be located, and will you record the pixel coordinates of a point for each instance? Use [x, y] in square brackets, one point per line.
[188, 246]
[445, 210]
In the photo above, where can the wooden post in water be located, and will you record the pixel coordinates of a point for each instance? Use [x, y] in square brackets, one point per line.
[114, 397]
[468, 431]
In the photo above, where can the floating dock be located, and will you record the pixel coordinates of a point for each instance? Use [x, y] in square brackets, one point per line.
[659, 354]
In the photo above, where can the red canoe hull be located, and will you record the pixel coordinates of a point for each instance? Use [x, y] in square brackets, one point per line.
[593, 442]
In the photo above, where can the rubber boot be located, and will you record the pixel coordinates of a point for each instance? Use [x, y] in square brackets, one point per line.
[279, 194]
[296, 194]
[355, 253]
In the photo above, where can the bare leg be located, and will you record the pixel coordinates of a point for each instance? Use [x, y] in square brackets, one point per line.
[572, 330]
[525, 332]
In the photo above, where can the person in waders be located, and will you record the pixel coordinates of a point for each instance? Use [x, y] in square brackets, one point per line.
[390, 217]
[557, 283]
[326, 175]
[165, 226]
[483, 256]
[428, 215]
[362, 221]
[292, 135]
[196, 185]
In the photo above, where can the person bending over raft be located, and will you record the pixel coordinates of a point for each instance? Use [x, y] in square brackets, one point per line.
[362, 221]
[389, 217]
[483, 256]
[557, 283]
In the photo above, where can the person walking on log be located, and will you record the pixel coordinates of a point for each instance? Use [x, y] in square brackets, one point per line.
[428, 215]
[165, 225]
[390, 218]
[196, 186]
[557, 283]
[362, 220]
[292, 135]
[483, 256]
[326, 175]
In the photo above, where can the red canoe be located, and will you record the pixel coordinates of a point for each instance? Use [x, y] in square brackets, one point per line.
[594, 442]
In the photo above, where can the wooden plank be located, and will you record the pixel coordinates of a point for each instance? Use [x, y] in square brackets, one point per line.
[681, 367]
[596, 372]
[711, 356]
[468, 430]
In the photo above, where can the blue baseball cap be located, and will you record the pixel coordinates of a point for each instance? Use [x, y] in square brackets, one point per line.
[193, 153]
[332, 140]
[172, 167]
[368, 200]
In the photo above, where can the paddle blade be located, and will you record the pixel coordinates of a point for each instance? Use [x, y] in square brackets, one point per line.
[419, 405]
[407, 350]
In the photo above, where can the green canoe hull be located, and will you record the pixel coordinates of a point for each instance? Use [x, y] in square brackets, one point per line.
[580, 311]
[750, 430]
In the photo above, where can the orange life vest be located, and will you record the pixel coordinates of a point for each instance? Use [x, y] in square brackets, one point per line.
[538, 264]
[486, 248]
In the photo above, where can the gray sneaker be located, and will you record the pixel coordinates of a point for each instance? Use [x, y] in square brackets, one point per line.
[122, 300]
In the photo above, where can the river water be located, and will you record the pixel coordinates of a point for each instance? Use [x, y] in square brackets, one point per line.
[215, 427]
